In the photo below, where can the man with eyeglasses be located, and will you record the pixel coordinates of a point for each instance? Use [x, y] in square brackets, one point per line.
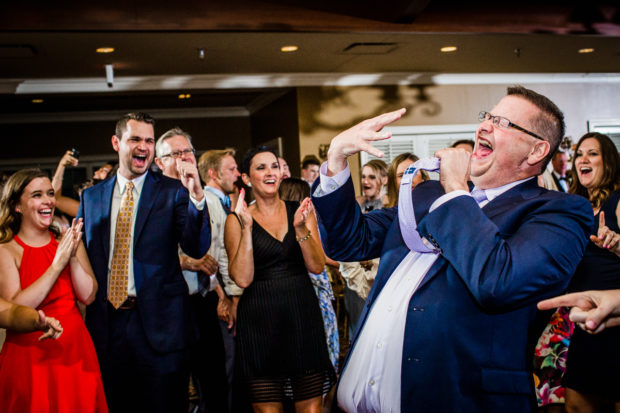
[207, 298]
[140, 320]
[448, 323]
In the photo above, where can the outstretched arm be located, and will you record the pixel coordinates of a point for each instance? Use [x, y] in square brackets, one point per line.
[24, 319]
[593, 311]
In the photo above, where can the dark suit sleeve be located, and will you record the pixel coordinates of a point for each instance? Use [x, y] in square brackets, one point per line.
[193, 226]
[346, 233]
[532, 259]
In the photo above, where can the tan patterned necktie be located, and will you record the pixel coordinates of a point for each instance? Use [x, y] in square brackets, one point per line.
[119, 271]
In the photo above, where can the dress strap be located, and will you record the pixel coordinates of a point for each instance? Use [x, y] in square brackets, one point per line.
[19, 241]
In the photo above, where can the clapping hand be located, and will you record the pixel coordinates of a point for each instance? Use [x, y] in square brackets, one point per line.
[358, 138]
[301, 215]
[188, 173]
[241, 210]
[606, 238]
[50, 326]
[68, 245]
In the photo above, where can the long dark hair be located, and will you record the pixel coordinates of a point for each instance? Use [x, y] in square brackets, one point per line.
[10, 219]
[610, 181]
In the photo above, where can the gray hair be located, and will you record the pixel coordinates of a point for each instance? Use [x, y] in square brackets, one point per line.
[176, 131]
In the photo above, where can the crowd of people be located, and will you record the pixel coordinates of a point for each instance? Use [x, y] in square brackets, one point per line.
[205, 281]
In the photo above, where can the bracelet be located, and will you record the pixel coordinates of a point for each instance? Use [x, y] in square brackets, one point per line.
[308, 235]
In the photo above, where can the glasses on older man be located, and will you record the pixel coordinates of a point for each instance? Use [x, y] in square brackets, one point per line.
[178, 154]
[503, 123]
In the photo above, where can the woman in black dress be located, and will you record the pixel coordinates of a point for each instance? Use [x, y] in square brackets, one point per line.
[592, 377]
[272, 245]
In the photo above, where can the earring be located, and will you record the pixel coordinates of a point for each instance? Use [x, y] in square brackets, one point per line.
[249, 185]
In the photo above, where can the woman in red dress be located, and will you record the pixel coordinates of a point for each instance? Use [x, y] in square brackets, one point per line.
[43, 270]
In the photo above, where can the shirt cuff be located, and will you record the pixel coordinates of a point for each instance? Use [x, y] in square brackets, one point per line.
[199, 205]
[329, 184]
[447, 197]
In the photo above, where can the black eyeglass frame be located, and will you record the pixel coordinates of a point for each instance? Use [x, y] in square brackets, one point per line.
[178, 154]
[497, 121]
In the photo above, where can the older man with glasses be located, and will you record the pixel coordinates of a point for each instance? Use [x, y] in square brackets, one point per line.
[206, 294]
[455, 295]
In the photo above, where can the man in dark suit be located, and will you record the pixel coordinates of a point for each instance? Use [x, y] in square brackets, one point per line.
[458, 316]
[140, 320]
[559, 163]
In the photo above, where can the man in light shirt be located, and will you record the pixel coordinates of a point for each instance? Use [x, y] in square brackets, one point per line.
[447, 330]
[219, 171]
[140, 321]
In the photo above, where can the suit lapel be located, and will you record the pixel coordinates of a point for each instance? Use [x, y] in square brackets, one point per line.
[150, 189]
[106, 194]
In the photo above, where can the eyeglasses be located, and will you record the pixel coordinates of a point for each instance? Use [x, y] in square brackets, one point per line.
[178, 154]
[503, 123]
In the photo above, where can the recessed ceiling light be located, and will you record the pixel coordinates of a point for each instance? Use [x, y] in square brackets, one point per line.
[105, 50]
[586, 50]
[448, 49]
[37, 101]
[185, 96]
[290, 48]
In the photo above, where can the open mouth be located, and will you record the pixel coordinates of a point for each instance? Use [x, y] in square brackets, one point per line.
[585, 171]
[46, 213]
[140, 160]
[483, 148]
[270, 182]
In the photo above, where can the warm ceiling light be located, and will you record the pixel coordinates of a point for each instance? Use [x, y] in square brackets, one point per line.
[105, 50]
[448, 49]
[586, 50]
[291, 48]
[37, 101]
[185, 96]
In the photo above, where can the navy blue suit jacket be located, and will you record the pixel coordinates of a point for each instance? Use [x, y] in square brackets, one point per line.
[165, 218]
[466, 335]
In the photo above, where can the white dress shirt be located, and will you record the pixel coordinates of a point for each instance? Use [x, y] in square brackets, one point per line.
[371, 379]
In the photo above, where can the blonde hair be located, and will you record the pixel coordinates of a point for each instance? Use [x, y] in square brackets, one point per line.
[392, 189]
[212, 160]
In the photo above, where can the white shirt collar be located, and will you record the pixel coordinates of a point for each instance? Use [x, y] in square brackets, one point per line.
[493, 193]
[138, 182]
[216, 191]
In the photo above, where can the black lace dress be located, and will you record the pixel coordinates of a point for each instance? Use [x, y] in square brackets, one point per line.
[281, 350]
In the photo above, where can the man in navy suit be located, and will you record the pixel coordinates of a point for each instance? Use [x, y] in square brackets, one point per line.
[142, 341]
[448, 330]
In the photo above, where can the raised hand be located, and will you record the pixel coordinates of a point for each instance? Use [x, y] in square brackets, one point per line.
[301, 215]
[188, 173]
[358, 138]
[241, 210]
[50, 326]
[68, 159]
[606, 238]
[76, 232]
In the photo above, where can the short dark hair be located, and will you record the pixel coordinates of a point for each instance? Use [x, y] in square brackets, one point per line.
[121, 125]
[294, 189]
[464, 142]
[244, 168]
[310, 160]
[549, 124]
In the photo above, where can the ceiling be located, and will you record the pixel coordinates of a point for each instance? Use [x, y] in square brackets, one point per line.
[47, 50]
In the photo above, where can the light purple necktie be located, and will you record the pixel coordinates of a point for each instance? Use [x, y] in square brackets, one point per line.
[406, 215]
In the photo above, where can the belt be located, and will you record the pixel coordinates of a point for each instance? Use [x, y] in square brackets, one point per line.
[129, 303]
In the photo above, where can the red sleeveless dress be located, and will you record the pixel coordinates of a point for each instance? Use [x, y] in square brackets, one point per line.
[52, 375]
